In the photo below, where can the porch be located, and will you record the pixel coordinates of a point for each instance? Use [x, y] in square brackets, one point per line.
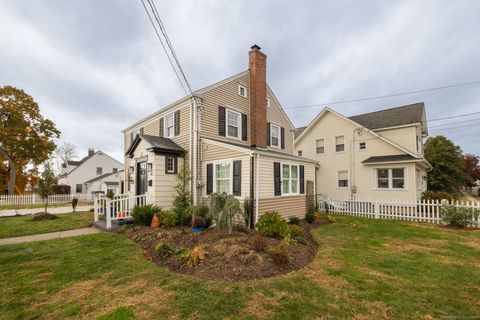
[112, 213]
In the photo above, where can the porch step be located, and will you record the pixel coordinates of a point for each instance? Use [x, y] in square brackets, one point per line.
[116, 224]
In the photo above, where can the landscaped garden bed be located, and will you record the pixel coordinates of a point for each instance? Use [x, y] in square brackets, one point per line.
[241, 255]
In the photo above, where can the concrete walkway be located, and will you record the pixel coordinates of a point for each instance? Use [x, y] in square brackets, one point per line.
[54, 210]
[48, 236]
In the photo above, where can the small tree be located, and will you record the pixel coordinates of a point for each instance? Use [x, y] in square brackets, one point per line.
[223, 209]
[45, 184]
[110, 194]
[183, 200]
[74, 204]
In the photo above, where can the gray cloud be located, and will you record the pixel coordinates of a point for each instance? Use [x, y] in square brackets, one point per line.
[95, 66]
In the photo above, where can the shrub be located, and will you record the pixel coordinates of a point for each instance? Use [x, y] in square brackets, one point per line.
[295, 230]
[460, 217]
[164, 250]
[301, 240]
[183, 199]
[271, 224]
[198, 222]
[61, 189]
[202, 210]
[279, 254]
[247, 208]
[74, 204]
[258, 242]
[223, 209]
[294, 220]
[438, 195]
[143, 214]
[110, 194]
[310, 217]
[167, 219]
[196, 256]
[183, 254]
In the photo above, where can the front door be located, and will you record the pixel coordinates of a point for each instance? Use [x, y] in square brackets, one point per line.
[141, 181]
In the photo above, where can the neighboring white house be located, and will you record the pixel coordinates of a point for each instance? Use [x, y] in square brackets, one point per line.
[76, 174]
[102, 184]
[377, 155]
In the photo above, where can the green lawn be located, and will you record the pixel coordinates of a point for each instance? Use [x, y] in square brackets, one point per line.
[51, 205]
[365, 269]
[24, 225]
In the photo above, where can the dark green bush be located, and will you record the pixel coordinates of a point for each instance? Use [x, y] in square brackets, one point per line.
[301, 240]
[271, 224]
[143, 214]
[164, 250]
[279, 254]
[460, 217]
[295, 230]
[293, 220]
[438, 195]
[310, 216]
[167, 219]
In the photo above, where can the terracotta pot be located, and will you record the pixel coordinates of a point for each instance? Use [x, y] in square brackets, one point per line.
[155, 222]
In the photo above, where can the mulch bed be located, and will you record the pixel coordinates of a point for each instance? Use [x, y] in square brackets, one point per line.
[229, 257]
[39, 216]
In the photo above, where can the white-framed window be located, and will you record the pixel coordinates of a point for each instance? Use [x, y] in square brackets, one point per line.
[274, 135]
[390, 178]
[78, 188]
[99, 170]
[169, 125]
[242, 91]
[268, 102]
[300, 153]
[339, 143]
[233, 124]
[362, 145]
[342, 179]
[170, 165]
[290, 179]
[223, 177]
[320, 146]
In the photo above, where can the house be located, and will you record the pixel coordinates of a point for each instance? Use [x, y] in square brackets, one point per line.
[110, 181]
[234, 137]
[78, 174]
[377, 154]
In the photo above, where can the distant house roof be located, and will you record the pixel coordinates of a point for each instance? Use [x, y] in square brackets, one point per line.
[393, 117]
[111, 183]
[157, 145]
[391, 158]
[100, 177]
[298, 131]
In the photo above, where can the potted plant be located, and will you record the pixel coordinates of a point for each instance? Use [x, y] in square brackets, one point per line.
[198, 224]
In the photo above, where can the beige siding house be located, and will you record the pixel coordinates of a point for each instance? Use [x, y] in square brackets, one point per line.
[375, 155]
[235, 138]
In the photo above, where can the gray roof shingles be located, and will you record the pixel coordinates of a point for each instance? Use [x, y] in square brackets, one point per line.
[390, 158]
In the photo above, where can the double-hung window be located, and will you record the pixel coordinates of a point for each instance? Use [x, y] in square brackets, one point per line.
[320, 146]
[242, 91]
[274, 136]
[362, 145]
[170, 164]
[233, 124]
[342, 179]
[169, 125]
[290, 179]
[390, 178]
[223, 177]
[339, 143]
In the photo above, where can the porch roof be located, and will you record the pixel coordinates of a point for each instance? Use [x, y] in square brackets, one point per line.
[391, 158]
[158, 145]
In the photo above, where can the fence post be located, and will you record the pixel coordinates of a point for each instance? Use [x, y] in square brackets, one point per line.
[376, 209]
[108, 213]
[95, 210]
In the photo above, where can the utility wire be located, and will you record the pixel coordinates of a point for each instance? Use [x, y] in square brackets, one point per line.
[164, 48]
[386, 96]
[452, 117]
[454, 122]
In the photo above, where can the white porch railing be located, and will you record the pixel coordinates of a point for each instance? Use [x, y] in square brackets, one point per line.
[420, 210]
[118, 208]
[34, 199]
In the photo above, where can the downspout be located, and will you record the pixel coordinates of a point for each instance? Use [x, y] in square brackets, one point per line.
[257, 186]
[195, 150]
[190, 145]
[353, 187]
[251, 219]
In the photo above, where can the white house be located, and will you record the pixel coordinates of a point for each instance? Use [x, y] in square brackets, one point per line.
[77, 174]
[104, 183]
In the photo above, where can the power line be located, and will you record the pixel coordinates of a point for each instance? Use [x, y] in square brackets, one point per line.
[164, 48]
[456, 127]
[454, 122]
[452, 117]
[386, 96]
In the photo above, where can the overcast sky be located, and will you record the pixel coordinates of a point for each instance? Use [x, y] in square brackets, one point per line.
[96, 67]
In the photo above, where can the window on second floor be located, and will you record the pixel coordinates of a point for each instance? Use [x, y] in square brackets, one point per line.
[274, 136]
[300, 153]
[242, 91]
[320, 146]
[268, 102]
[169, 125]
[99, 170]
[78, 188]
[233, 124]
[339, 143]
[362, 145]
[115, 170]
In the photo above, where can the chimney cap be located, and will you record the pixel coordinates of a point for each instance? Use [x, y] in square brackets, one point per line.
[255, 47]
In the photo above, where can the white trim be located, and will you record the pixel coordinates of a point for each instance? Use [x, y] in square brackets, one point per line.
[390, 179]
[165, 126]
[214, 163]
[335, 144]
[257, 180]
[393, 162]
[239, 124]
[240, 86]
[398, 127]
[268, 102]
[348, 180]
[173, 164]
[324, 146]
[279, 138]
[226, 145]
[290, 193]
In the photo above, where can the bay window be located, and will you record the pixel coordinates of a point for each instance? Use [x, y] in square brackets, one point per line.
[390, 178]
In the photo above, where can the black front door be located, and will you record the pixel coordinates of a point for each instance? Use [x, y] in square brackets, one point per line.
[141, 181]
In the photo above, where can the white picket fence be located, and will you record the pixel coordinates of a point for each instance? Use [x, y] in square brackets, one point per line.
[33, 199]
[118, 208]
[420, 210]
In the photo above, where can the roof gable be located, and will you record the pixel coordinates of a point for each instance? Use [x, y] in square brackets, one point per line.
[87, 158]
[158, 145]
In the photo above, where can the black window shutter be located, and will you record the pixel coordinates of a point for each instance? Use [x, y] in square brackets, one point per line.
[282, 136]
[237, 177]
[166, 165]
[175, 165]
[141, 130]
[268, 133]
[131, 137]
[177, 122]
[221, 121]
[161, 127]
[302, 180]
[276, 179]
[244, 127]
[209, 178]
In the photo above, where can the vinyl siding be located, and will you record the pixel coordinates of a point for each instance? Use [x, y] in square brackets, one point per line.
[163, 184]
[288, 206]
[276, 116]
[406, 137]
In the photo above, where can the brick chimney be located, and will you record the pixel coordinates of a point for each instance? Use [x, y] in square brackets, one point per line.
[91, 152]
[258, 97]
